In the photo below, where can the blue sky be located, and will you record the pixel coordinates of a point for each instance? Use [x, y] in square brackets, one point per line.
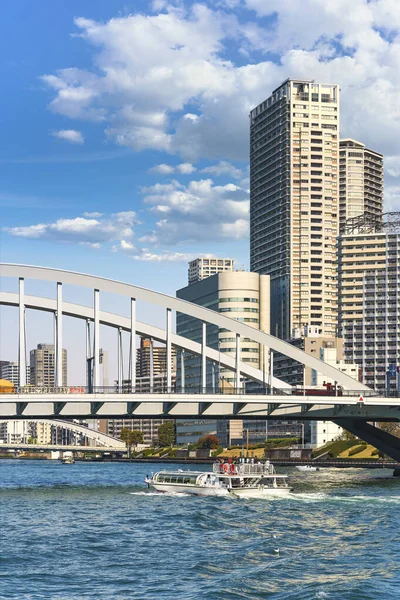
[124, 146]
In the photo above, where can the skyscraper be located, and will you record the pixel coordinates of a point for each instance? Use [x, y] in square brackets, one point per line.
[361, 182]
[294, 137]
[42, 365]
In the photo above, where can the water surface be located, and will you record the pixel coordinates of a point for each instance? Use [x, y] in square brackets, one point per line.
[94, 531]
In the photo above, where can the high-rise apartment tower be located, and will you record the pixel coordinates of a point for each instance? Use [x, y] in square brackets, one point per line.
[360, 182]
[294, 137]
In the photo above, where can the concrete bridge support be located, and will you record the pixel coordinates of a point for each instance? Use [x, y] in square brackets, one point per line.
[385, 442]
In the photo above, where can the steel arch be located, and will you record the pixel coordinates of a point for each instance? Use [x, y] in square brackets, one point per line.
[168, 302]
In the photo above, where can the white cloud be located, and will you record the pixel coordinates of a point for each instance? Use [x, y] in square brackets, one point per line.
[164, 81]
[162, 169]
[92, 214]
[69, 135]
[81, 230]
[198, 211]
[183, 169]
[223, 168]
[186, 168]
[166, 256]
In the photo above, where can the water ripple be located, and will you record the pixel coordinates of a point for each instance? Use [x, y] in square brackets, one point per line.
[94, 531]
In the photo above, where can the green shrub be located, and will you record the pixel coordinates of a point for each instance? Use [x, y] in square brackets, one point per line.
[357, 449]
[335, 448]
[375, 452]
[217, 451]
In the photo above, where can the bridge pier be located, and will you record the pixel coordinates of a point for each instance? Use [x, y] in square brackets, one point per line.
[385, 442]
[396, 473]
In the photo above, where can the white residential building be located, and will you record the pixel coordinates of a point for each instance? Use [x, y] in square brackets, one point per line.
[294, 195]
[201, 268]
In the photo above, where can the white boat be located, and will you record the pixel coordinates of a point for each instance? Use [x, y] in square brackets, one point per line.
[68, 460]
[307, 468]
[242, 481]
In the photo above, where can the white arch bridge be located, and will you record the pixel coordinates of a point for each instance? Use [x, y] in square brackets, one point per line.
[263, 399]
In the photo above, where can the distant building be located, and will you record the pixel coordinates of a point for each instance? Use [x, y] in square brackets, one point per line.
[329, 350]
[147, 351]
[323, 432]
[149, 428]
[361, 182]
[311, 342]
[201, 268]
[10, 372]
[147, 379]
[42, 366]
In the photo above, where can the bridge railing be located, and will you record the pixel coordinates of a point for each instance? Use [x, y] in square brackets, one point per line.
[211, 390]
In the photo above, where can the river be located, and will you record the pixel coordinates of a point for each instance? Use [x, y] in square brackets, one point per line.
[94, 531]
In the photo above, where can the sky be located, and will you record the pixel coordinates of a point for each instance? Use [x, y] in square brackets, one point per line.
[125, 142]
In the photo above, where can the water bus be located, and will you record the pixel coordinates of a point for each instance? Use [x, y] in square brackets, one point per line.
[242, 480]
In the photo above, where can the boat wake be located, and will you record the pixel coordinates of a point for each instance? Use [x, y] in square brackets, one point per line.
[319, 496]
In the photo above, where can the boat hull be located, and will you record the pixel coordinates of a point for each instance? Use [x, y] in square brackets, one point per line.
[195, 490]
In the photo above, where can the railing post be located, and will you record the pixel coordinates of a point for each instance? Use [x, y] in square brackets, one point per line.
[89, 376]
[96, 341]
[237, 363]
[22, 335]
[169, 353]
[271, 371]
[182, 371]
[59, 353]
[151, 356]
[119, 361]
[133, 345]
[203, 358]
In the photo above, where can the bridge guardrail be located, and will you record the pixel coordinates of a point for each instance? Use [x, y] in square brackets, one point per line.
[253, 390]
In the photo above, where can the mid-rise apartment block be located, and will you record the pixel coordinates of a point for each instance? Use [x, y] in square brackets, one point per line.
[42, 366]
[242, 296]
[360, 182]
[294, 194]
[201, 268]
[369, 298]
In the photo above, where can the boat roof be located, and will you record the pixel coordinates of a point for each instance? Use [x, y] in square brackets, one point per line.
[230, 475]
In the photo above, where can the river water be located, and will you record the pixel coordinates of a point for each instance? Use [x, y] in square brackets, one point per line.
[94, 531]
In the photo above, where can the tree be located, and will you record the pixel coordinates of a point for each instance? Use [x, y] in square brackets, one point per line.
[390, 427]
[131, 438]
[166, 434]
[209, 441]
